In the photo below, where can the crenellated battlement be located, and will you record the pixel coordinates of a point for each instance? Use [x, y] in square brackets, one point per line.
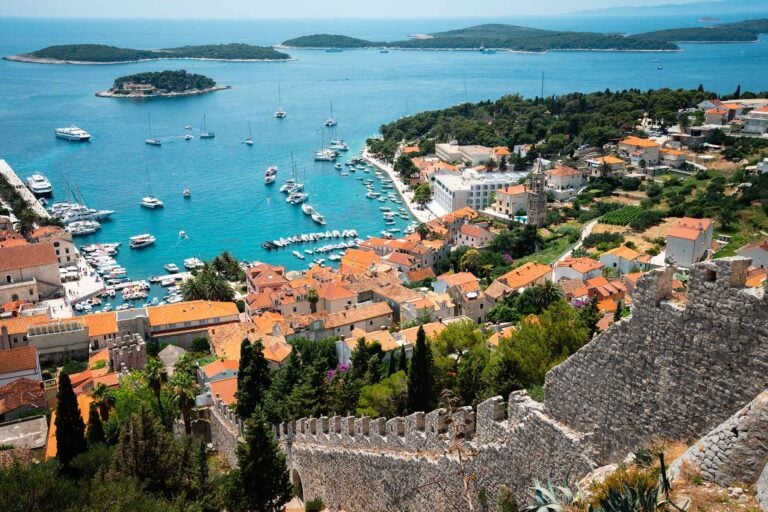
[494, 421]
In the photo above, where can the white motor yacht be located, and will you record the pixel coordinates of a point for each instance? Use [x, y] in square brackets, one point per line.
[171, 268]
[270, 175]
[39, 185]
[73, 133]
[325, 155]
[193, 263]
[151, 202]
[139, 241]
[307, 209]
[339, 145]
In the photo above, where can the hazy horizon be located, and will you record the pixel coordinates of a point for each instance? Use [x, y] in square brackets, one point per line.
[330, 9]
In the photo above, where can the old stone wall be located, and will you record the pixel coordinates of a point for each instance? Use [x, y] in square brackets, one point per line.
[736, 451]
[423, 461]
[225, 429]
[668, 371]
[762, 489]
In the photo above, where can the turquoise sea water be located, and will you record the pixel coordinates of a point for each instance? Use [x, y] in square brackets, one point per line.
[231, 208]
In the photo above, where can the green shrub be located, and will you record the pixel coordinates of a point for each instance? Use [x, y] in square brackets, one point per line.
[71, 367]
[622, 216]
[200, 344]
[314, 505]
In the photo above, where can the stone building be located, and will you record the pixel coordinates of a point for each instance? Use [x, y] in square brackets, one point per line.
[537, 196]
[127, 352]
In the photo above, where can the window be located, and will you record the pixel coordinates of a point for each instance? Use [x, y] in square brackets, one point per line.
[370, 322]
[14, 297]
[8, 279]
[351, 327]
[55, 244]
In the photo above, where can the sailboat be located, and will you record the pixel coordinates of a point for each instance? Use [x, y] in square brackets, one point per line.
[280, 113]
[152, 141]
[150, 201]
[331, 121]
[249, 140]
[205, 134]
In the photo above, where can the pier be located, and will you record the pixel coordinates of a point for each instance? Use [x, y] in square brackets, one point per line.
[19, 185]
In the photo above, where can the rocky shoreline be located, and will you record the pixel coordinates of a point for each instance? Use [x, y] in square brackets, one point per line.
[110, 93]
[37, 60]
[478, 50]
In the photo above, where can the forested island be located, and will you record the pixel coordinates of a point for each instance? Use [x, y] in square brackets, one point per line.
[161, 84]
[103, 54]
[516, 38]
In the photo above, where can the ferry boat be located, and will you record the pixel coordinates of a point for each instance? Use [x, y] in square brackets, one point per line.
[171, 268]
[39, 185]
[270, 175]
[73, 133]
[140, 241]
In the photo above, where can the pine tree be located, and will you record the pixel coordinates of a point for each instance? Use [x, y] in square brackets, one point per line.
[373, 375]
[261, 481]
[590, 315]
[70, 429]
[95, 432]
[253, 378]
[421, 378]
[402, 362]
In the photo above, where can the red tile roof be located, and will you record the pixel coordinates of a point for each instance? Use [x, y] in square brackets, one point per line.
[563, 170]
[525, 275]
[224, 389]
[220, 366]
[21, 393]
[420, 274]
[472, 230]
[27, 256]
[18, 360]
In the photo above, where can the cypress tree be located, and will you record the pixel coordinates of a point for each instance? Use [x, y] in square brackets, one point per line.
[202, 468]
[261, 482]
[253, 378]
[70, 429]
[391, 364]
[373, 375]
[359, 360]
[421, 378]
[95, 432]
[402, 362]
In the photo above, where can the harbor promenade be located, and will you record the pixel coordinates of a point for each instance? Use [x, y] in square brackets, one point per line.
[421, 215]
[19, 185]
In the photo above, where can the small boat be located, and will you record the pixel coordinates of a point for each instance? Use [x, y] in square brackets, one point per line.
[72, 133]
[188, 137]
[325, 155]
[171, 268]
[152, 141]
[140, 241]
[249, 140]
[270, 175]
[288, 185]
[339, 145]
[331, 121]
[186, 194]
[383, 51]
[338, 167]
[279, 113]
[151, 202]
[182, 234]
[307, 209]
[298, 255]
[193, 263]
[333, 50]
[318, 218]
[309, 251]
[204, 133]
[39, 185]
[188, 127]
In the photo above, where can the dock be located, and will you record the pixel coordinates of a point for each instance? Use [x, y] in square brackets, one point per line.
[19, 185]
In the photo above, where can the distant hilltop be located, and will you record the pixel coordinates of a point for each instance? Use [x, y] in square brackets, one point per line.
[516, 38]
[103, 54]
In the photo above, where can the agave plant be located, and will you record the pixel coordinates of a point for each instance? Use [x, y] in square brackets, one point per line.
[550, 498]
[641, 497]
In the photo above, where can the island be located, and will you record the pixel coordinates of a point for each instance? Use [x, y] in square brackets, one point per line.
[103, 54]
[161, 84]
[496, 36]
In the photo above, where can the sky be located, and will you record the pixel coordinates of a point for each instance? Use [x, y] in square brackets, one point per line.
[305, 8]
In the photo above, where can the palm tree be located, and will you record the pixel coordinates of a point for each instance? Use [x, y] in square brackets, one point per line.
[470, 261]
[423, 230]
[104, 399]
[184, 392]
[312, 297]
[548, 294]
[155, 374]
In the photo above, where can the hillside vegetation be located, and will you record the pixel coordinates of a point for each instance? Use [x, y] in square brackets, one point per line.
[170, 81]
[102, 53]
[748, 30]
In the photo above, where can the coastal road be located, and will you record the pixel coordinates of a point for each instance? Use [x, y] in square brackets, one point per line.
[22, 189]
[407, 195]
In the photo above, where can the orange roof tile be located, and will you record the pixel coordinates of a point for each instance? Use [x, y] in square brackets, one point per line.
[683, 232]
[689, 222]
[501, 151]
[564, 170]
[458, 278]
[20, 324]
[224, 389]
[624, 252]
[407, 150]
[513, 190]
[220, 366]
[359, 314]
[383, 337]
[18, 359]
[83, 404]
[638, 142]
[99, 355]
[110, 380]
[609, 160]
[333, 291]
[193, 311]
[431, 330]
[607, 306]
[525, 275]
[356, 260]
[399, 258]
[420, 274]
[496, 337]
[100, 324]
[581, 265]
[673, 152]
[472, 230]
